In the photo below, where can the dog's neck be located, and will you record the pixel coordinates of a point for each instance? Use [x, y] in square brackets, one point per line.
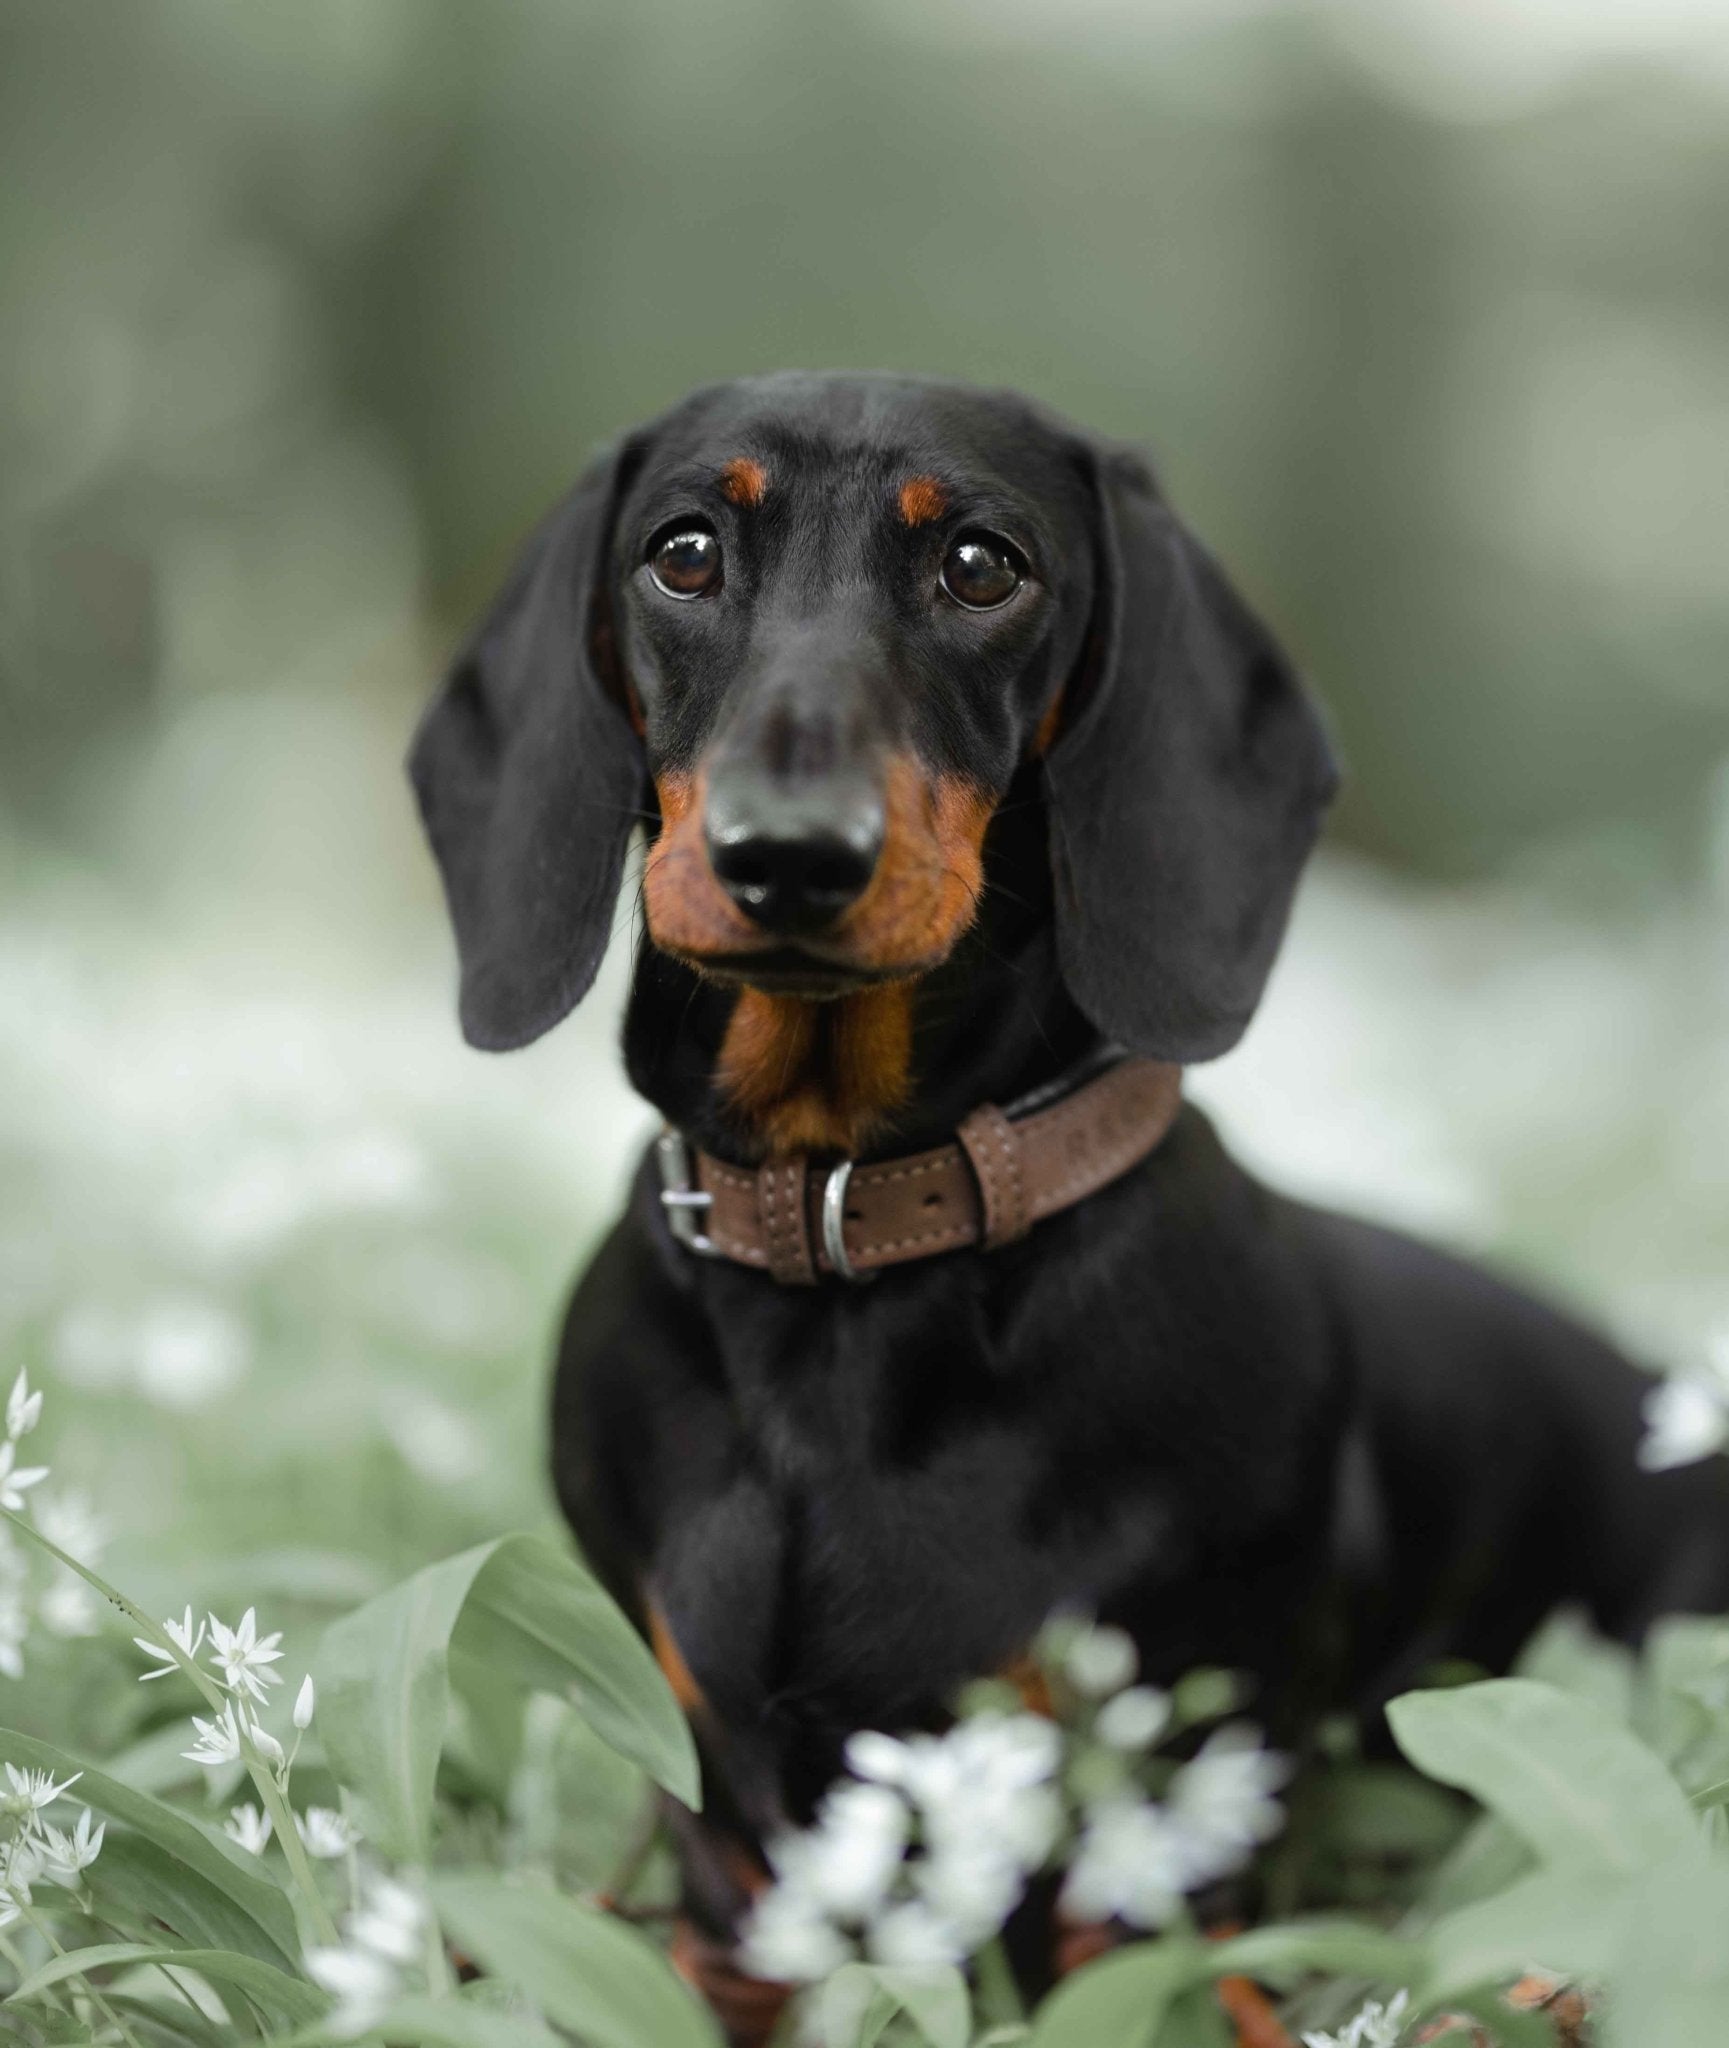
[892, 1069]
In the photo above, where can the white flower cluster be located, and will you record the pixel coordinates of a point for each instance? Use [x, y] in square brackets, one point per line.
[921, 1856]
[1376, 2026]
[981, 1805]
[34, 1850]
[243, 1661]
[1687, 1414]
[379, 1939]
[23, 1412]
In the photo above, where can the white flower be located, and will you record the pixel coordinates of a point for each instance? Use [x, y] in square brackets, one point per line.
[66, 1855]
[20, 1867]
[326, 1833]
[972, 1887]
[219, 1741]
[263, 1741]
[71, 1522]
[362, 1984]
[788, 1939]
[243, 1658]
[69, 1608]
[389, 1921]
[1376, 2026]
[180, 1632]
[16, 1480]
[33, 1790]
[304, 1702]
[23, 1409]
[1131, 1864]
[1135, 1719]
[913, 1936]
[1222, 1802]
[365, 1974]
[1685, 1419]
[1101, 1661]
[845, 1864]
[249, 1827]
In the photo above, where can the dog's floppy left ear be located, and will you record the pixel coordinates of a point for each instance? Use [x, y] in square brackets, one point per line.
[529, 777]
[1186, 793]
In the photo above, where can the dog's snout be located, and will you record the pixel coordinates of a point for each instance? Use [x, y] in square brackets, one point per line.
[794, 857]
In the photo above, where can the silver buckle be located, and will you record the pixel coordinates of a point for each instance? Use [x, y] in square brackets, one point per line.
[834, 1224]
[685, 1204]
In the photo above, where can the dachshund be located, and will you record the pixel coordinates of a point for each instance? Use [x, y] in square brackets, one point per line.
[975, 799]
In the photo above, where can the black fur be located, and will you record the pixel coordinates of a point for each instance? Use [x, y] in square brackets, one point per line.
[1252, 1433]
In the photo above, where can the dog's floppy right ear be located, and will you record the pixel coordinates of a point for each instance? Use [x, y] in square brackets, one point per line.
[529, 777]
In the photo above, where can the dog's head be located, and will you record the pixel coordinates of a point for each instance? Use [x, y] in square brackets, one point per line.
[817, 623]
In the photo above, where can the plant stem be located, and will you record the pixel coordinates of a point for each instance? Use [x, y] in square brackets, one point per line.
[1000, 2002]
[268, 1790]
[96, 1999]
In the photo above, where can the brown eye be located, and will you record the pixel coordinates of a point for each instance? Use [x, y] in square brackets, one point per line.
[982, 572]
[686, 563]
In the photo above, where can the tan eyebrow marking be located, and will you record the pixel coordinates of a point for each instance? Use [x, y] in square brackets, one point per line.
[922, 499]
[744, 481]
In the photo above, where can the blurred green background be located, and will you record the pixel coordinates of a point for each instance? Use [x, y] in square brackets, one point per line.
[310, 308]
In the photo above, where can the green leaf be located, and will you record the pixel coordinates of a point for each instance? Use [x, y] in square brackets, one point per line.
[585, 1970]
[858, 2001]
[1569, 1921]
[1569, 1654]
[1671, 1986]
[1121, 2000]
[455, 2023]
[536, 1612]
[169, 1869]
[277, 1995]
[1276, 1955]
[1577, 1787]
[383, 1674]
[1197, 2020]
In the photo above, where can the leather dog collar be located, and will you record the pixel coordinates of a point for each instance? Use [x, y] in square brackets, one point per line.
[1005, 1171]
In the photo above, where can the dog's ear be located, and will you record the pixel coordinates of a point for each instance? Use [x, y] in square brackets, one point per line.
[1186, 792]
[529, 778]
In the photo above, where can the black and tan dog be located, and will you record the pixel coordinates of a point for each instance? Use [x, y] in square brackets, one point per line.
[969, 781]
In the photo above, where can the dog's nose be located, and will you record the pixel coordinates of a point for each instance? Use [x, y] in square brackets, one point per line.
[792, 856]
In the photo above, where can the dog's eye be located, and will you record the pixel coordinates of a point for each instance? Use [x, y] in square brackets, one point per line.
[982, 572]
[685, 562]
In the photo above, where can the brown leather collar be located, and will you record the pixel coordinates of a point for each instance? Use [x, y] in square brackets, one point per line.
[1006, 1171]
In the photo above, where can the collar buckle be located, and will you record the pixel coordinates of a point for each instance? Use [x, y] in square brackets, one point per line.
[682, 1202]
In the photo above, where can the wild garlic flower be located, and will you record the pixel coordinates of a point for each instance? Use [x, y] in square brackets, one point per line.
[32, 1790]
[364, 1974]
[1687, 1414]
[1131, 1864]
[326, 1833]
[183, 1635]
[23, 1409]
[1223, 1801]
[68, 1855]
[220, 1741]
[1376, 2026]
[243, 1657]
[15, 1479]
[249, 1827]
[1134, 1719]
[304, 1702]
[1101, 1661]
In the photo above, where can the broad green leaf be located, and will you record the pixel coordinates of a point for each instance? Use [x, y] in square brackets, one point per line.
[935, 2001]
[1671, 1987]
[1275, 1955]
[384, 1676]
[536, 1612]
[585, 1970]
[456, 2023]
[1569, 1921]
[1578, 1788]
[169, 1869]
[1569, 1654]
[1197, 2020]
[1121, 2000]
[276, 1994]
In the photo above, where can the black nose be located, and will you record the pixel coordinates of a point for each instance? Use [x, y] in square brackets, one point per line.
[793, 856]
